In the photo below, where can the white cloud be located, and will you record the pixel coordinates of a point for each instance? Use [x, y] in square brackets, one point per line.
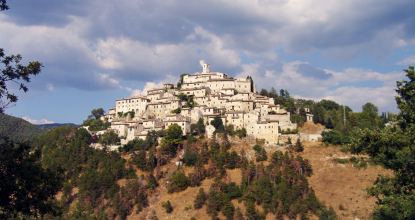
[407, 61]
[332, 88]
[201, 62]
[50, 87]
[153, 85]
[37, 122]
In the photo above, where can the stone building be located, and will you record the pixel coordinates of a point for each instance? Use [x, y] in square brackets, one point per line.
[215, 94]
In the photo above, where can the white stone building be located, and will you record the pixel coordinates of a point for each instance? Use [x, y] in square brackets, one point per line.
[215, 94]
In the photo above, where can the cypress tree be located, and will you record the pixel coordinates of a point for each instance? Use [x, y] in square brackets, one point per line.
[200, 199]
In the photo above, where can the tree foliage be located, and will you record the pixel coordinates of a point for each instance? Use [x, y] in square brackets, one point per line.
[218, 123]
[15, 72]
[26, 187]
[394, 148]
[172, 140]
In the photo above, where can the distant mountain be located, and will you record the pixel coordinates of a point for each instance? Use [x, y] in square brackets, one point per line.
[54, 125]
[21, 130]
[18, 129]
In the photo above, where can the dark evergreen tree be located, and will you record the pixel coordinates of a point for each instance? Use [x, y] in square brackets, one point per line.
[329, 124]
[217, 123]
[298, 146]
[200, 199]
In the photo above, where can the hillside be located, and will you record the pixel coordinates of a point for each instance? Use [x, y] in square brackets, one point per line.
[334, 184]
[54, 125]
[135, 183]
[18, 129]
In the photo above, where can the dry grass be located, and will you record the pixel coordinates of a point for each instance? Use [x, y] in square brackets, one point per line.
[343, 184]
[311, 128]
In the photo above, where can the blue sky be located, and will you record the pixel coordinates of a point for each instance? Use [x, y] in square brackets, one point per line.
[94, 52]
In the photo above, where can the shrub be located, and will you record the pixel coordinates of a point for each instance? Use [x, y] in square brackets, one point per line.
[335, 137]
[176, 111]
[328, 214]
[179, 182]
[167, 206]
[257, 148]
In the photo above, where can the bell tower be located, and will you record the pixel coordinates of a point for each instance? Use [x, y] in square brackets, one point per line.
[206, 68]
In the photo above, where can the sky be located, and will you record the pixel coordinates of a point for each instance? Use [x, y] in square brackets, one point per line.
[96, 51]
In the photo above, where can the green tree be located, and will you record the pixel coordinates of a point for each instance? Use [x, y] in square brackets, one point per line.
[16, 73]
[263, 92]
[200, 199]
[97, 113]
[172, 139]
[217, 123]
[109, 138]
[152, 182]
[394, 148]
[328, 104]
[298, 146]
[26, 188]
[198, 128]
[405, 99]
[178, 182]
[371, 109]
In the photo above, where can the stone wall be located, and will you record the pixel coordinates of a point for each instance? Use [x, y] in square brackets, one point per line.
[284, 138]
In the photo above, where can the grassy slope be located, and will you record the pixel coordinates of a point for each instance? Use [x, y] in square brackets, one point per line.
[19, 129]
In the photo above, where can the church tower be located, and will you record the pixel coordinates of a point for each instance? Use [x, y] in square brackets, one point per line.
[206, 68]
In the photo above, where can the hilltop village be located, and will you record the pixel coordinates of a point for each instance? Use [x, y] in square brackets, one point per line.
[202, 95]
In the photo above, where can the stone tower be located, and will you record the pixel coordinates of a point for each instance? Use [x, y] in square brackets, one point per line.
[206, 68]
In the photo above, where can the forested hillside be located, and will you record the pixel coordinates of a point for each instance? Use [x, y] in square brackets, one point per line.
[95, 184]
[18, 129]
